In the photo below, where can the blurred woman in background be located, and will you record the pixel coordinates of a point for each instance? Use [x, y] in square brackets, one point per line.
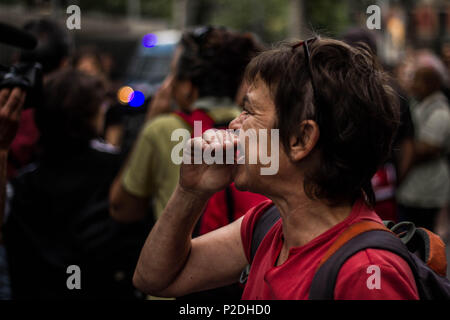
[58, 206]
[207, 73]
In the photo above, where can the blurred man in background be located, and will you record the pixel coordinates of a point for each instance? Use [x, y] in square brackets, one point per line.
[387, 178]
[207, 73]
[11, 102]
[90, 60]
[52, 53]
[58, 206]
[426, 187]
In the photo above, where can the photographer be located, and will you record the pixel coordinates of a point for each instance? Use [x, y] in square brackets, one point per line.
[58, 206]
[52, 52]
[11, 102]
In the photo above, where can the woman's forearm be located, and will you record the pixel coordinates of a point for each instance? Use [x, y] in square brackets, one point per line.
[167, 248]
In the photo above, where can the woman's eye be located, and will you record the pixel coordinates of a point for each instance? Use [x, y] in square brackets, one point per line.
[245, 111]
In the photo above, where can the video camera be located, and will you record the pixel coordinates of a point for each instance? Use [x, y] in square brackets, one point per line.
[26, 75]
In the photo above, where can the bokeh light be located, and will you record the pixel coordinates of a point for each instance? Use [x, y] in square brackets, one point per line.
[149, 40]
[124, 94]
[137, 99]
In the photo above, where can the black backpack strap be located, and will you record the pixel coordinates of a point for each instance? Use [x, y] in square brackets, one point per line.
[229, 200]
[324, 281]
[263, 225]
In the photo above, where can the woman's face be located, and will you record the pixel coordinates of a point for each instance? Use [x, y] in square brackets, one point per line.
[258, 116]
[89, 65]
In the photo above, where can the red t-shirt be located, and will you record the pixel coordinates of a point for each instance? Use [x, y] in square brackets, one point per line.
[24, 146]
[292, 280]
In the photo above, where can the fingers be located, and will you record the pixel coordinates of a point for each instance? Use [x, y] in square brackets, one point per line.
[214, 147]
[165, 90]
[160, 102]
[210, 136]
[223, 137]
[167, 82]
[193, 151]
[17, 109]
[14, 102]
[4, 94]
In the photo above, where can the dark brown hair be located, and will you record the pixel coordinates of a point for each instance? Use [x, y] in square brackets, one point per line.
[214, 59]
[71, 101]
[430, 78]
[54, 44]
[354, 108]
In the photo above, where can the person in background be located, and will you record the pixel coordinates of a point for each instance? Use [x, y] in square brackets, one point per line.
[11, 102]
[445, 56]
[445, 52]
[207, 71]
[52, 52]
[389, 176]
[426, 187]
[89, 60]
[443, 225]
[58, 206]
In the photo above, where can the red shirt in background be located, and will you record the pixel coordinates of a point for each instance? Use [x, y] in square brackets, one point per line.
[384, 185]
[23, 148]
[215, 215]
[292, 280]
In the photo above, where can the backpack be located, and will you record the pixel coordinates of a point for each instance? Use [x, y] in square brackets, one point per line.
[423, 250]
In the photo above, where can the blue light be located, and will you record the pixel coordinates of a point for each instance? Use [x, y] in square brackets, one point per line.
[137, 99]
[149, 40]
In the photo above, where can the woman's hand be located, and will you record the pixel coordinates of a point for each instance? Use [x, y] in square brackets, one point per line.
[209, 176]
[161, 101]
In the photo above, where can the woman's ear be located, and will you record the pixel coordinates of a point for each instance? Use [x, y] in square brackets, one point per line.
[304, 142]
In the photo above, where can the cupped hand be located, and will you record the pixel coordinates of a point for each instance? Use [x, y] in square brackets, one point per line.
[209, 162]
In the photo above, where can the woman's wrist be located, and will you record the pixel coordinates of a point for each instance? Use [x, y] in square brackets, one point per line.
[193, 194]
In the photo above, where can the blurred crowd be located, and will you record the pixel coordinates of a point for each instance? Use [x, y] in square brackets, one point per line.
[79, 193]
